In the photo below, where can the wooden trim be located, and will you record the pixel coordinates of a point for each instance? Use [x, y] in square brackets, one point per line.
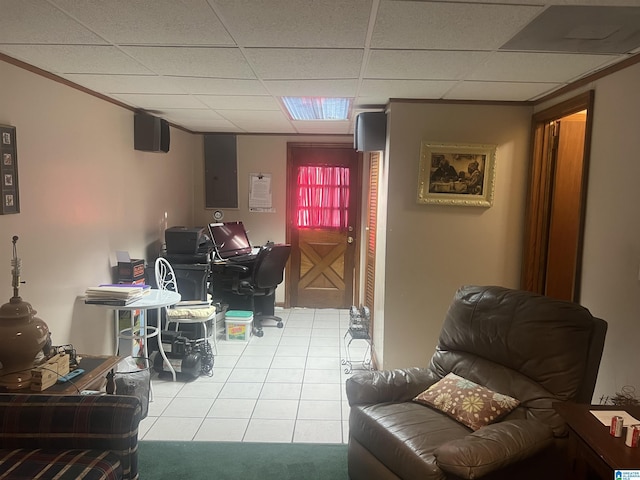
[541, 173]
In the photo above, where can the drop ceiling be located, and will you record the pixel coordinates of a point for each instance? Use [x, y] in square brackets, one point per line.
[221, 65]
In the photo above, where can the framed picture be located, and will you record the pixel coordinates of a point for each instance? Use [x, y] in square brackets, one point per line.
[456, 174]
[10, 198]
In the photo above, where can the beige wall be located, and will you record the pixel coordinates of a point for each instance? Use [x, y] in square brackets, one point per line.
[431, 249]
[262, 154]
[611, 259]
[84, 193]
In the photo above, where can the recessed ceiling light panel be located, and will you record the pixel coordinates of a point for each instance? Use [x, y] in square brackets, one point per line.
[317, 108]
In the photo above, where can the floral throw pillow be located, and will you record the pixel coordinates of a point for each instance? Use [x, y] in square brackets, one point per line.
[467, 402]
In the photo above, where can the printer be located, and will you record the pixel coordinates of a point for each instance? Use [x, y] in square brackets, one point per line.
[188, 244]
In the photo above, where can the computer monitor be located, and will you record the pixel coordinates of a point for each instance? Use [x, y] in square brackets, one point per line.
[230, 239]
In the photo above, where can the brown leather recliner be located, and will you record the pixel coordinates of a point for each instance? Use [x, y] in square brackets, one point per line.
[533, 348]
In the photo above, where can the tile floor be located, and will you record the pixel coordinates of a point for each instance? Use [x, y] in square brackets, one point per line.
[287, 386]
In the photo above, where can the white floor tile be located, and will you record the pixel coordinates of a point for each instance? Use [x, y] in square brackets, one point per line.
[228, 361]
[260, 350]
[294, 341]
[241, 390]
[285, 375]
[267, 430]
[188, 407]
[323, 363]
[248, 375]
[297, 332]
[254, 361]
[276, 409]
[332, 341]
[198, 389]
[318, 431]
[289, 362]
[162, 388]
[281, 391]
[333, 351]
[232, 408]
[292, 351]
[287, 386]
[322, 376]
[158, 405]
[144, 426]
[174, 428]
[320, 410]
[321, 391]
[222, 430]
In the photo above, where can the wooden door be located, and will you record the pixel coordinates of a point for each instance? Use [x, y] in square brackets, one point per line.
[322, 265]
[372, 222]
[552, 254]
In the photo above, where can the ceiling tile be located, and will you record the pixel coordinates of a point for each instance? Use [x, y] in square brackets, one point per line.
[126, 83]
[324, 127]
[160, 22]
[310, 88]
[159, 102]
[302, 23]
[406, 88]
[199, 120]
[237, 102]
[499, 91]
[286, 63]
[38, 22]
[254, 121]
[421, 64]
[76, 58]
[448, 26]
[218, 86]
[537, 67]
[193, 61]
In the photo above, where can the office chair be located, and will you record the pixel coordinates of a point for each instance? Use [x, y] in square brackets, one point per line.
[185, 312]
[259, 280]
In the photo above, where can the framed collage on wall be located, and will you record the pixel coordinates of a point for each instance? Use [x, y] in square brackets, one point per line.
[10, 200]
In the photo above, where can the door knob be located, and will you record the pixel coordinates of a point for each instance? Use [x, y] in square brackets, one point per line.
[349, 239]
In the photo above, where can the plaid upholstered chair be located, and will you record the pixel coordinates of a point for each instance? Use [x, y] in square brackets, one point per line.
[80, 437]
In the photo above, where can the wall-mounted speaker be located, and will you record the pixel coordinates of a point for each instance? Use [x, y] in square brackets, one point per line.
[370, 133]
[150, 134]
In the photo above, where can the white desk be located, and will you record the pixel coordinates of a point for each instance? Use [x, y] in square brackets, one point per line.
[155, 299]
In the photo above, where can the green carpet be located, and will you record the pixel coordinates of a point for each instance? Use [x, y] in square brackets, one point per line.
[246, 461]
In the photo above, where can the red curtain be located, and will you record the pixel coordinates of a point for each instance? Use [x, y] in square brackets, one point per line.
[323, 197]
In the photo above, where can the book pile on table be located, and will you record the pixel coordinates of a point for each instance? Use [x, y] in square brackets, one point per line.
[118, 294]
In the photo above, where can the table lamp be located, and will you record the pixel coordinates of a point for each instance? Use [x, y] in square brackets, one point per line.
[22, 335]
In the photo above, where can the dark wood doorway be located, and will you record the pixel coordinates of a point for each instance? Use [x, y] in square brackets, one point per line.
[322, 267]
[554, 228]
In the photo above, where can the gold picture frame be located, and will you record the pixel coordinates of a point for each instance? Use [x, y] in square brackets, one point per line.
[456, 174]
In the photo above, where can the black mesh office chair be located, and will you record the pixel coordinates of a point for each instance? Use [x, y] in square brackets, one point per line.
[257, 280]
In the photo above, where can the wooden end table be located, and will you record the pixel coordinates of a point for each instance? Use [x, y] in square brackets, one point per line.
[96, 369]
[593, 452]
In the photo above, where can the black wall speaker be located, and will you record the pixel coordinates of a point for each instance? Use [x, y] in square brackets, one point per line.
[150, 134]
[370, 132]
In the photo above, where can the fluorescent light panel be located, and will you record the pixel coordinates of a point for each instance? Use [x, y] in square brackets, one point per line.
[317, 108]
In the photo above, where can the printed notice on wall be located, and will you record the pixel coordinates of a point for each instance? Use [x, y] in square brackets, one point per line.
[260, 192]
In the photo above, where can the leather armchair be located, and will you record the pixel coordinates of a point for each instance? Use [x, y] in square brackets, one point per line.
[530, 347]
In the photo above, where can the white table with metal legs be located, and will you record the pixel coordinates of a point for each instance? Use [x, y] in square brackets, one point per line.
[155, 299]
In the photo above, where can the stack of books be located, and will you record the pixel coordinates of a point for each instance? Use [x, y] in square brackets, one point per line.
[118, 294]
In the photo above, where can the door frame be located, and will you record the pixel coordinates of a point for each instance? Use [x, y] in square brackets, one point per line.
[357, 221]
[541, 180]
